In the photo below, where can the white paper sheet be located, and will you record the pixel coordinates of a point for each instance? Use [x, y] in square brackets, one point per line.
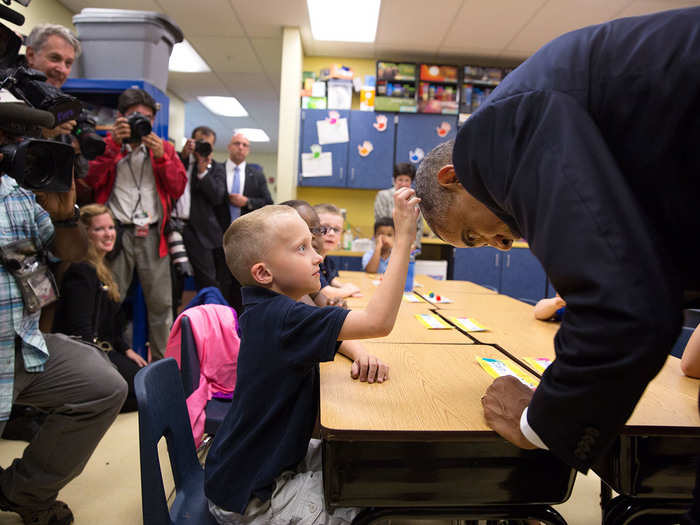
[332, 133]
[317, 167]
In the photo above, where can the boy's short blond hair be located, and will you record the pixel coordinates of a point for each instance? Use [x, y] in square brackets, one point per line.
[328, 208]
[249, 237]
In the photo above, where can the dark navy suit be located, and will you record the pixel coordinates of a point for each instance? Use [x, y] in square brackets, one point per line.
[591, 150]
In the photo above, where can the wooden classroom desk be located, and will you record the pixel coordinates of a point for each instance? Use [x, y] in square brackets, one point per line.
[420, 438]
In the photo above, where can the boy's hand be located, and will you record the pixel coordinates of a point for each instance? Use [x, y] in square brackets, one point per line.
[405, 213]
[370, 369]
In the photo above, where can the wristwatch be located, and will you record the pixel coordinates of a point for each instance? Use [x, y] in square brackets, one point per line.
[72, 221]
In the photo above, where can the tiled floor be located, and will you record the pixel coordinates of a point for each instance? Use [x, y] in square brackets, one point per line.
[108, 492]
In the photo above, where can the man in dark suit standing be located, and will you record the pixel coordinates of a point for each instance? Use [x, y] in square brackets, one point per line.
[247, 191]
[206, 188]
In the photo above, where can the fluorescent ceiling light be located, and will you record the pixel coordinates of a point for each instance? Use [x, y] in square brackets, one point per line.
[253, 134]
[185, 59]
[227, 106]
[344, 20]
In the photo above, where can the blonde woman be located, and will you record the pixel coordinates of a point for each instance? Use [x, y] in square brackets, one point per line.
[90, 303]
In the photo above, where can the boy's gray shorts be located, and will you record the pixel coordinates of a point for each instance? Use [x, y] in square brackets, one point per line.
[297, 498]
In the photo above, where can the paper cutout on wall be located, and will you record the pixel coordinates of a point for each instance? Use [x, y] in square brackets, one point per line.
[365, 148]
[444, 129]
[380, 125]
[332, 130]
[416, 155]
[316, 163]
[333, 117]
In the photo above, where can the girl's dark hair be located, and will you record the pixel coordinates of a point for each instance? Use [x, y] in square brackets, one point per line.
[404, 168]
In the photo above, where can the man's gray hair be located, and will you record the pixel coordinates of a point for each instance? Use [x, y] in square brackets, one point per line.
[435, 200]
[41, 33]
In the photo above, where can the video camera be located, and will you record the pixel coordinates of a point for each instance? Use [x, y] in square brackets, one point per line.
[27, 102]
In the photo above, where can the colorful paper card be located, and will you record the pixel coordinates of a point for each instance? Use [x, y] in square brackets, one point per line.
[432, 322]
[499, 368]
[539, 364]
[434, 298]
[411, 298]
[468, 324]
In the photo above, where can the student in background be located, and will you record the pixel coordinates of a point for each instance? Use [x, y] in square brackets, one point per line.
[267, 431]
[550, 308]
[332, 221]
[404, 172]
[377, 259]
[90, 302]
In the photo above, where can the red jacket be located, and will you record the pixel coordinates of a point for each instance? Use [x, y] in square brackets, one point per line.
[168, 170]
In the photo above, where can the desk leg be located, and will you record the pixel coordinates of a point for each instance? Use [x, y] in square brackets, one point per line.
[543, 513]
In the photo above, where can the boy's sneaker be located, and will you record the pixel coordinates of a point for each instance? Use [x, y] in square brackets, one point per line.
[57, 514]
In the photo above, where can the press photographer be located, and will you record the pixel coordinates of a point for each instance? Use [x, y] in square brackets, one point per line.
[138, 177]
[71, 381]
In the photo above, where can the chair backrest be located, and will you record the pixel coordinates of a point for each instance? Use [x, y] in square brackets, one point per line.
[163, 413]
[189, 358]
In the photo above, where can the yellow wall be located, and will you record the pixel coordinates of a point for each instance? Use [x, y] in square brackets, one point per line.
[359, 66]
[41, 12]
[359, 205]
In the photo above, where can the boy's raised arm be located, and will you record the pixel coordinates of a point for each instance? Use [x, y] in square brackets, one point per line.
[377, 320]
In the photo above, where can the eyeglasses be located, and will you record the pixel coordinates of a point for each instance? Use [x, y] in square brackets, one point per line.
[333, 229]
[321, 230]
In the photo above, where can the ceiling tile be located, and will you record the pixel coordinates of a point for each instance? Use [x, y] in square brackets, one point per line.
[227, 55]
[203, 17]
[489, 25]
[645, 7]
[265, 18]
[142, 5]
[413, 25]
[557, 18]
[269, 52]
[188, 86]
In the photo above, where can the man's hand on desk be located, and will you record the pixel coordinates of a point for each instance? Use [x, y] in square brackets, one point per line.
[504, 402]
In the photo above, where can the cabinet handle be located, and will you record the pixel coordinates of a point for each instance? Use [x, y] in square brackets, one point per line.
[341, 173]
[352, 173]
[496, 263]
[508, 261]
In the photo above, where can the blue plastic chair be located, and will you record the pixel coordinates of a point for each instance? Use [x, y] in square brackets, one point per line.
[163, 412]
[216, 409]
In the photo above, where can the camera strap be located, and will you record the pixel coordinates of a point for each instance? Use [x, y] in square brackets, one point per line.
[28, 265]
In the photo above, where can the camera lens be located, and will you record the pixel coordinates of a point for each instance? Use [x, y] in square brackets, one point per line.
[140, 126]
[39, 166]
[202, 148]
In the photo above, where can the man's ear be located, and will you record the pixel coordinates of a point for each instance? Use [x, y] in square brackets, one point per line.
[261, 273]
[446, 176]
[29, 55]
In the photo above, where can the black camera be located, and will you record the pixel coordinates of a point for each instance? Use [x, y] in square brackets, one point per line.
[91, 144]
[203, 148]
[39, 165]
[140, 126]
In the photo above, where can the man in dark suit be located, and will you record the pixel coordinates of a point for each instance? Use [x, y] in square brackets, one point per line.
[202, 233]
[589, 150]
[247, 191]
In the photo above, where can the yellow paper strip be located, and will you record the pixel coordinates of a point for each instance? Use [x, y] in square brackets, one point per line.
[468, 324]
[432, 322]
[499, 368]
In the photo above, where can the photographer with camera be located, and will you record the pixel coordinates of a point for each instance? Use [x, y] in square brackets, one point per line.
[193, 215]
[138, 177]
[72, 381]
[52, 49]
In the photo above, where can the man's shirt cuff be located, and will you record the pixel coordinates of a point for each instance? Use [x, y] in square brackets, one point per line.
[530, 434]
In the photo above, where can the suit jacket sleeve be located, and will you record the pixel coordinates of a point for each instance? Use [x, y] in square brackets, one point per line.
[213, 185]
[542, 166]
[259, 193]
[170, 172]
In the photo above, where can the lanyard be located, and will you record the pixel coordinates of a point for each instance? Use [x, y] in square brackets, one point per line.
[133, 177]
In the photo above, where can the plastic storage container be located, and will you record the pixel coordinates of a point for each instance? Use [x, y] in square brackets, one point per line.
[126, 44]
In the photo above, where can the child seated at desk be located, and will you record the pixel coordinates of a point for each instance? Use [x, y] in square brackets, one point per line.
[263, 466]
[376, 259]
[332, 222]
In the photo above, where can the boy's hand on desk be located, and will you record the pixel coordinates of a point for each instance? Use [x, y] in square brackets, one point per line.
[370, 369]
[504, 402]
[405, 213]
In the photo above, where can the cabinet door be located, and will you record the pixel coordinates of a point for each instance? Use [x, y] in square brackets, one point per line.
[523, 276]
[417, 134]
[339, 151]
[479, 265]
[371, 155]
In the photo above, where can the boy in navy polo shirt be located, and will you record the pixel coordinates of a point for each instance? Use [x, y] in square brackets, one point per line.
[263, 466]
